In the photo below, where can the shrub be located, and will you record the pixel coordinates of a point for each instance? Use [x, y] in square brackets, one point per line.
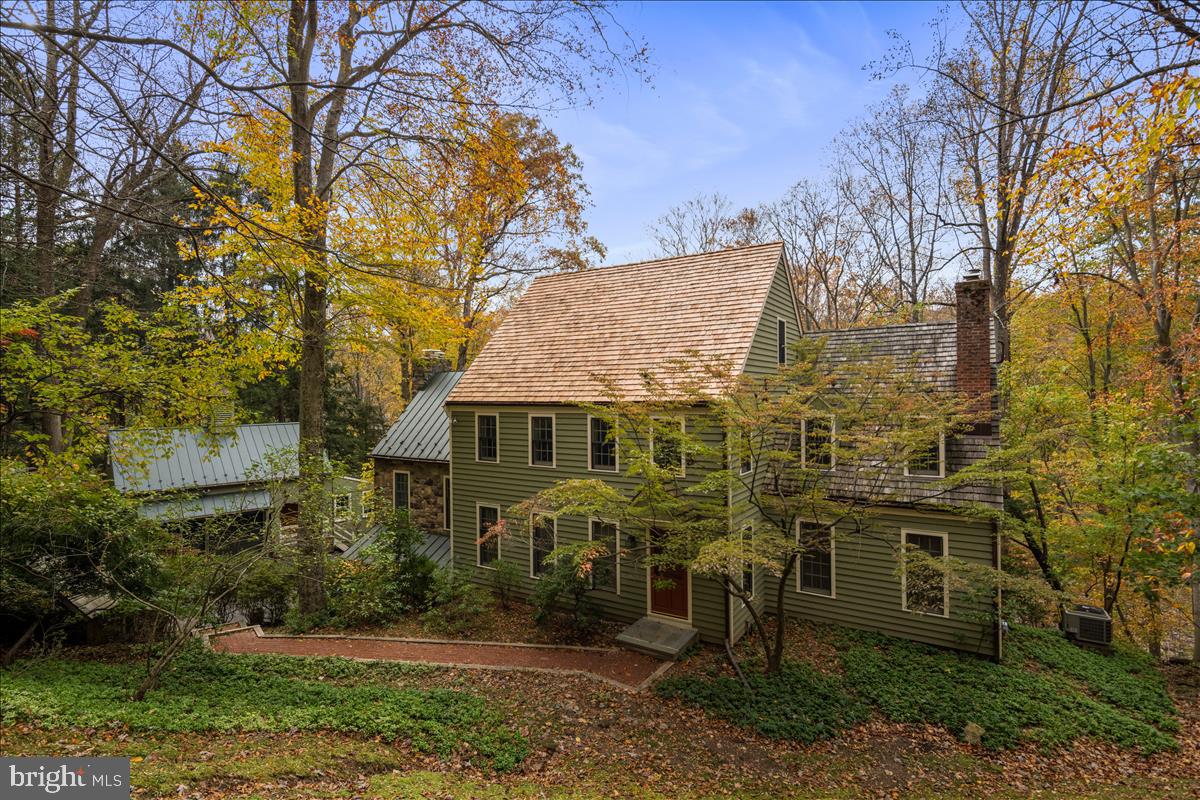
[567, 584]
[796, 703]
[458, 604]
[506, 580]
[360, 593]
[206, 691]
[412, 574]
[264, 594]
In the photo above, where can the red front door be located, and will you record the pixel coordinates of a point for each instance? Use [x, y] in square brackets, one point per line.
[669, 591]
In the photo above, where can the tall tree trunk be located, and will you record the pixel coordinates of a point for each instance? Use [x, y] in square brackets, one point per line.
[314, 302]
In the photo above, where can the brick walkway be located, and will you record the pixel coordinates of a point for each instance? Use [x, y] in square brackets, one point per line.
[625, 668]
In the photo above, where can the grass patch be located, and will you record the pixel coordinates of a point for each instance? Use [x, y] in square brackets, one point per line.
[1048, 691]
[205, 692]
[798, 703]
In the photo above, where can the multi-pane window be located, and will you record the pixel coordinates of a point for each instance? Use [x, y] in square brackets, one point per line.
[341, 506]
[400, 490]
[748, 566]
[489, 545]
[666, 445]
[541, 441]
[925, 583]
[928, 461]
[604, 568]
[602, 445]
[815, 568]
[487, 437]
[543, 545]
[781, 340]
[446, 505]
[818, 443]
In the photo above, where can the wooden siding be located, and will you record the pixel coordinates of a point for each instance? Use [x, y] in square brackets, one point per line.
[512, 480]
[868, 593]
[763, 356]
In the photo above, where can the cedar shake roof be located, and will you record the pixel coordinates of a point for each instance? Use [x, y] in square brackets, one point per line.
[930, 347]
[616, 323]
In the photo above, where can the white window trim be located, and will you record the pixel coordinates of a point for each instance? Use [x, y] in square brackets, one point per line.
[945, 537]
[478, 524]
[781, 344]
[495, 460]
[407, 487]
[617, 554]
[590, 468]
[832, 444]
[553, 440]
[554, 525]
[832, 563]
[348, 511]
[447, 502]
[941, 463]
[682, 451]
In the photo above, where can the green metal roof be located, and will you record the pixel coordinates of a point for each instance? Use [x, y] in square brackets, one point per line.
[173, 459]
[422, 433]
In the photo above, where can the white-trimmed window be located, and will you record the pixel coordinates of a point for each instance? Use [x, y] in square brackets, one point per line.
[541, 440]
[928, 462]
[401, 489]
[781, 343]
[447, 506]
[666, 448]
[487, 549]
[606, 570]
[341, 506]
[747, 565]
[487, 437]
[924, 587]
[819, 444]
[543, 535]
[602, 445]
[816, 564]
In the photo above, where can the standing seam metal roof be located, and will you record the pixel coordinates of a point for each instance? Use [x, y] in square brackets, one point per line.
[422, 433]
[165, 459]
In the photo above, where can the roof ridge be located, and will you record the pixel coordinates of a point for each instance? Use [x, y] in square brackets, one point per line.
[660, 261]
[890, 326]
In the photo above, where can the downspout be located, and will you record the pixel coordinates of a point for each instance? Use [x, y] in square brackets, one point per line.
[998, 623]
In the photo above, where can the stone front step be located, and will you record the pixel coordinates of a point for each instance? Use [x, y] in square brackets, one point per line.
[658, 638]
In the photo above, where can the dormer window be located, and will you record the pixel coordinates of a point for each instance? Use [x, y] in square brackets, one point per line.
[819, 443]
[928, 461]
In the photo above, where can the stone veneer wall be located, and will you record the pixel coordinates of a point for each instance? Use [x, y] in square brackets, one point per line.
[426, 481]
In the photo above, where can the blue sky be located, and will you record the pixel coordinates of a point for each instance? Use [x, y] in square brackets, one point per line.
[745, 100]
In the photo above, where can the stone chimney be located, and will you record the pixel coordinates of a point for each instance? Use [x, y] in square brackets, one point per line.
[430, 363]
[974, 348]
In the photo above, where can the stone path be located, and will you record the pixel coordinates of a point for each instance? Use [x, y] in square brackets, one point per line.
[621, 667]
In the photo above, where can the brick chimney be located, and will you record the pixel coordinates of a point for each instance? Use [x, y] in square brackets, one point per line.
[974, 339]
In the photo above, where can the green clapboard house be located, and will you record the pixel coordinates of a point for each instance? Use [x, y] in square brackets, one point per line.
[516, 427]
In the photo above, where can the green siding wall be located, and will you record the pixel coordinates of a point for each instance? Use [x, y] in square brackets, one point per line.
[763, 356]
[512, 480]
[867, 583]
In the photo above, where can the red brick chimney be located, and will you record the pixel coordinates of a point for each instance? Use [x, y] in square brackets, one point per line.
[974, 339]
